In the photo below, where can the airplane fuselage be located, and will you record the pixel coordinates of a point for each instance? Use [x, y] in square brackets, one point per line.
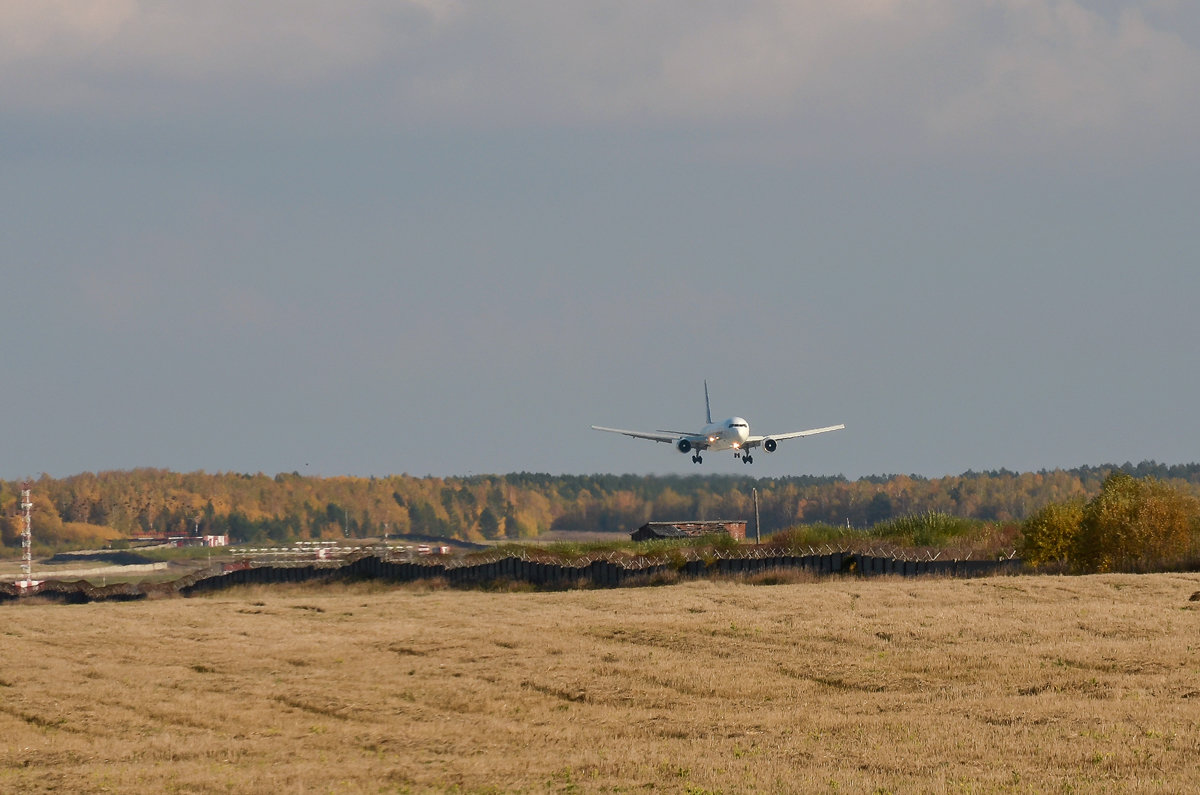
[728, 434]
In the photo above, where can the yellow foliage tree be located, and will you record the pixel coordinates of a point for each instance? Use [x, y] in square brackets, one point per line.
[1049, 535]
[1134, 524]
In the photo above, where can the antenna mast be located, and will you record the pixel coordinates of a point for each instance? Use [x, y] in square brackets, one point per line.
[27, 538]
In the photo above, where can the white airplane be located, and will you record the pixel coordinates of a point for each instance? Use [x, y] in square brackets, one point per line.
[731, 434]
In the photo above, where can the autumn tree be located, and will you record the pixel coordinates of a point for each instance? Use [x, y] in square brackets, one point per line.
[1134, 524]
[10, 531]
[489, 523]
[1048, 536]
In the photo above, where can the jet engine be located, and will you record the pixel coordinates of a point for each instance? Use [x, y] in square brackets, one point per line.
[769, 445]
[684, 446]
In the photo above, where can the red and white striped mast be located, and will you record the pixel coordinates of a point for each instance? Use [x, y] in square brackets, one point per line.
[27, 539]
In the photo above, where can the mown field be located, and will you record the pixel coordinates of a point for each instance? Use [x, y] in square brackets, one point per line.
[1055, 684]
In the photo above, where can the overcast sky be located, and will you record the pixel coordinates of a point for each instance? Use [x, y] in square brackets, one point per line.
[446, 237]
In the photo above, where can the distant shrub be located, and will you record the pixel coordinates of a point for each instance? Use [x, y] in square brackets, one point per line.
[1048, 536]
[574, 550]
[778, 577]
[930, 529]
[801, 537]
[426, 584]
[722, 541]
[1135, 525]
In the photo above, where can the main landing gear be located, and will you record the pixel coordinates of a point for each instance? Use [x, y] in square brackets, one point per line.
[746, 457]
[697, 459]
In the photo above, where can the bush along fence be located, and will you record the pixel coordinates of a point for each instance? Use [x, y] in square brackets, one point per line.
[605, 571]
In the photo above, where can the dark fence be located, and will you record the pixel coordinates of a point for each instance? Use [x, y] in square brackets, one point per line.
[257, 575]
[603, 572]
[74, 592]
[871, 565]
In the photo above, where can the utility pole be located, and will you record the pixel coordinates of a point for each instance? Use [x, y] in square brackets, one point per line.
[757, 526]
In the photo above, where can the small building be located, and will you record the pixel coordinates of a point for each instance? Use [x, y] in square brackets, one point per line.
[159, 540]
[177, 540]
[735, 528]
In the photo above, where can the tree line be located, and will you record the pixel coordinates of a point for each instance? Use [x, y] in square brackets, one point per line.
[92, 508]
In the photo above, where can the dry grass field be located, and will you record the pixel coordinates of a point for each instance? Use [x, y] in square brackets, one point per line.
[1044, 684]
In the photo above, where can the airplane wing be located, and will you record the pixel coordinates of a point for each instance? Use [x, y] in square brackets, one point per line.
[658, 436]
[755, 441]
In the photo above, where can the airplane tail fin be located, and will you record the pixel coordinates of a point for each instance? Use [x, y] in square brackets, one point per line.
[707, 408]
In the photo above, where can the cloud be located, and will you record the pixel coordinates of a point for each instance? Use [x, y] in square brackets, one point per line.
[1065, 74]
[874, 74]
[40, 30]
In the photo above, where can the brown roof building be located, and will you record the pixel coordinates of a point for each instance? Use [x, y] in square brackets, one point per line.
[650, 530]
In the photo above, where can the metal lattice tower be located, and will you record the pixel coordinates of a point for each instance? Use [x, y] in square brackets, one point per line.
[27, 534]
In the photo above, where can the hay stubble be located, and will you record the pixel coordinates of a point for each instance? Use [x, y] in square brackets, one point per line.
[856, 685]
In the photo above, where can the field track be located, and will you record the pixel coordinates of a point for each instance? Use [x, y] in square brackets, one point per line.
[886, 684]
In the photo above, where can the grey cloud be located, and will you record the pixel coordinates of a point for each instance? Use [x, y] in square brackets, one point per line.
[915, 73]
[1065, 74]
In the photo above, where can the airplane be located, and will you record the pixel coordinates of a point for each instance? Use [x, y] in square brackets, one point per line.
[731, 434]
